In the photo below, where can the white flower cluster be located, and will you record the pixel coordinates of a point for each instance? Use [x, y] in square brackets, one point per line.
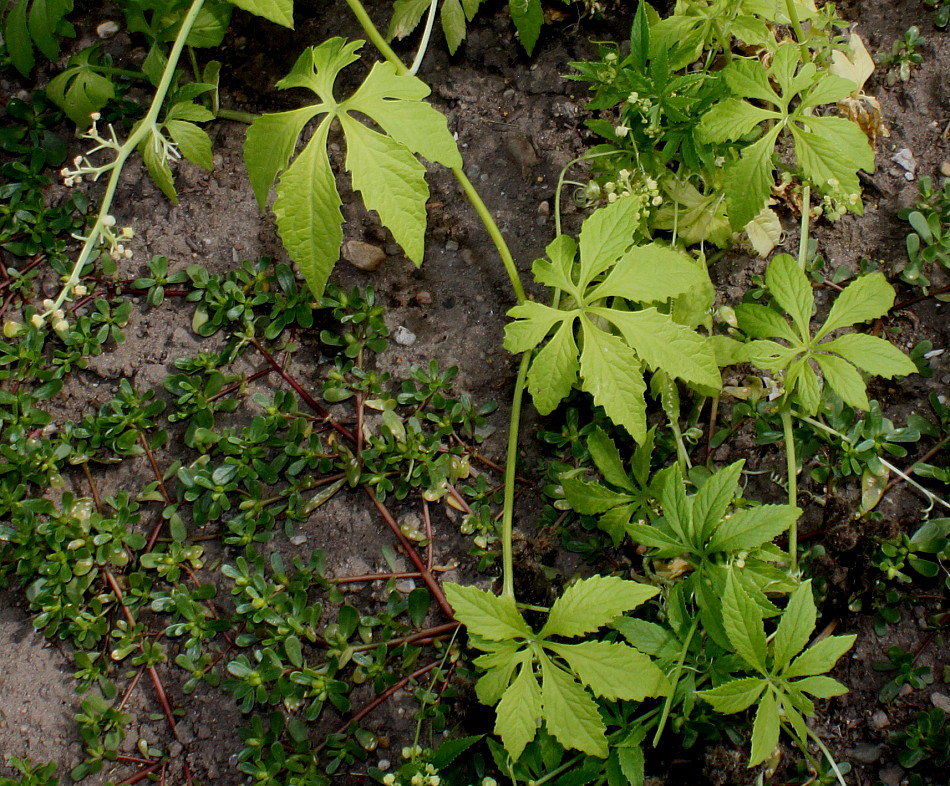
[52, 313]
[82, 166]
[836, 201]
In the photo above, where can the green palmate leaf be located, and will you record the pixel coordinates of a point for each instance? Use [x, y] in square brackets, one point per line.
[79, 90]
[795, 627]
[517, 714]
[557, 272]
[713, 499]
[614, 670]
[804, 381]
[192, 141]
[733, 119]
[735, 696]
[570, 713]
[664, 344]
[279, 11]
[844, 380]
[874, 355]
[749, 180]
[499, 663]
[742, 620]
[528, 17]
[864, 299]
[533, 321]
[486, 615]
[751, 527]
[392, 183]
[613, 375]
[554, 370]
[308, 214]
[606, 457]
[765, 729]
[591, 499]
[820, 657]
[592, 603]
[792, 291]
[605, 236]
[763, 322]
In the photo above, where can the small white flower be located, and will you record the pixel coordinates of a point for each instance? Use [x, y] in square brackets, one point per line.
[48, 305]
[58, 314]
[657, 201]
[79, 290]
[621, 130]
[37, 321]
[60, 326]
[95, 116]
[108, 221]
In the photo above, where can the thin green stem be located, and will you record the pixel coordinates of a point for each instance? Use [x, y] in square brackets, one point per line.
[803, 233]
[791, 464]
[554, 773]
[236, 115]
[827, 754]
[668, 704]
[511, 471]
[799, 31]
[369, 27]
[141, 132]
[561, 181]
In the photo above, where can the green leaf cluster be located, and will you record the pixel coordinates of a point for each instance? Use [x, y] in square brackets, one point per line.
[864, 299]
[829, 151]
[453, 15]
[598, 341]
[31, 25]
[383, 165]
[786, 674]
[569, 672]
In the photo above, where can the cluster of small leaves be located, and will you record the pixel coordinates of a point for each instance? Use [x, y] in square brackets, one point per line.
[926, 740]
[903, 668]
[929, 244]
[941, 11]
[924, 551]
[903, 56]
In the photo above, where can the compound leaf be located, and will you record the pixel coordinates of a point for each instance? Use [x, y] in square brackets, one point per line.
[796, 625]
[592, 603]
[406, 16]
[734, 696]
[864, 299]
[453, 23]
[591, 499]
[606, 457]
[605, 235]
[834, 149]
[650, 274]
[269, 144]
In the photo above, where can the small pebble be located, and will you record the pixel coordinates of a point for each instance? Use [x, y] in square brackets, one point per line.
[904, 158]
[424, 298]
[404, 336]
[865, 752]
[107, 29]
[891, 775]
[941, 700]
[879, 720]
[298, 540]
[362, 255]
[544, 209]
[945, 169]
[451, 245]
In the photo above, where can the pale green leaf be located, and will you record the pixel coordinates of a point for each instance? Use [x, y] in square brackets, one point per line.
[834, 149]
[453, 23]
[663, 344]
[317, 67]
[270, 143]
[498, 664]
[489, 616]
[650, 273]
[765, 231]
[829, 89]
[614, 670]
[192, 141]
[795, 627]
[677, 507]
[151, 151]
[632, 764]
[614, 521]
[792, 291]
[864, 299]
[742, 620]
[654, 537]
[759, 321]
[605, 236]
[844, 380]
[713, 498]
[734, 696]
[570, 713]
[733, 119]
[807, 387]
[186, 110]
[765, 730]
[749, 180]
[751, 527]
[395, 102]
[606, 457]
[528, 17]
[747, 78]
[279, 11]
[821, 687]
[648, 637]
[532, 322]
[210, 26]
[392, 183]
[820, 657]
[876, 356]
[516, 716]
[406, 16]
[613, 375]
[592, 603]
[591, 499]
[308, 212]
[554, 369]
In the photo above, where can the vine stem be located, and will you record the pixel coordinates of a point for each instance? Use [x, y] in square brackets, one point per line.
[141, 131]
[511, 471]
[799, 30]
[791, 465]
